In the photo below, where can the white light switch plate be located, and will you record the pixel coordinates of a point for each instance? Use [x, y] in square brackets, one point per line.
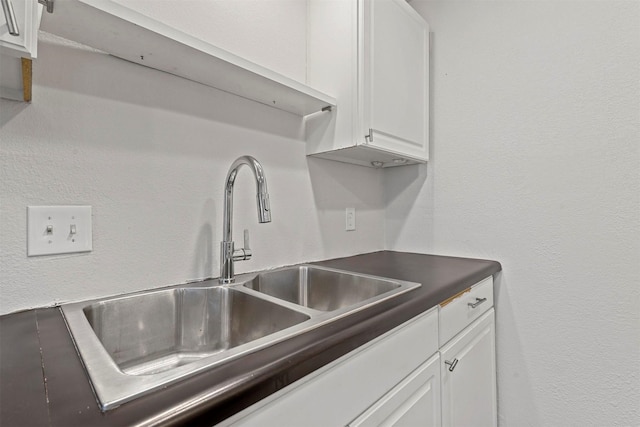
[58, 230]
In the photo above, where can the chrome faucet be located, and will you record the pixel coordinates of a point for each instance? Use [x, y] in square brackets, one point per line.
[228, 254]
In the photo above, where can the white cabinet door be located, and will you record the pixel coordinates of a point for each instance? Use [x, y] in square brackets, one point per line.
[24, 44]
[373, 57]
[16, 51]
[337, 393]
[413, 402]
[395, 77]
[469, 376]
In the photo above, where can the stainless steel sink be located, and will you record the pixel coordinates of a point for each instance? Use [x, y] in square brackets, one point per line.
[319, 288]
[154, 332]
[133, 344]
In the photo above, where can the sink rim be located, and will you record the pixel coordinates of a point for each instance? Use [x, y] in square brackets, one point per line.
[114, 387]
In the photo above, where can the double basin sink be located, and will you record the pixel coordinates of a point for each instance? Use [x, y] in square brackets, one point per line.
[134, 344]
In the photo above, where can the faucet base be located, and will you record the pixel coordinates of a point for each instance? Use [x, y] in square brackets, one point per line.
[226, 262]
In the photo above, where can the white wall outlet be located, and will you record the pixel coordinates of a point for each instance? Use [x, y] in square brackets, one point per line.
[350, 216]
[58, 230]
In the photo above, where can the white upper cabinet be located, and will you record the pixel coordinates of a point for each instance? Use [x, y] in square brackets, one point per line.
[395, 92]
[23, 43]
[18, 45]
[373, 56]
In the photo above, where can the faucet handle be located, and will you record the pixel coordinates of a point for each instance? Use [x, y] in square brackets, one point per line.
[244, 253]
[246, 239]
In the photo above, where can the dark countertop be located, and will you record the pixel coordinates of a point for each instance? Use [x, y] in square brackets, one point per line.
[43, 383]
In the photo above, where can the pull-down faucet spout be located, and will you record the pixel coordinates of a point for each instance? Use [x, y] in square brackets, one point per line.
[228, 254]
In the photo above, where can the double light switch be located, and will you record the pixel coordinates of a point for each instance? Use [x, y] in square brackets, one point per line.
[58, 230]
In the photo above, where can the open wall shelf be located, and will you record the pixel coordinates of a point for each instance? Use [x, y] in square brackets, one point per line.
[127, 34]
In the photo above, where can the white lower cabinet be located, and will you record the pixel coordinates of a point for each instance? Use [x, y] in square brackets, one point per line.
[437, 369]
[468, 365]
[340, 392]
[413, 402]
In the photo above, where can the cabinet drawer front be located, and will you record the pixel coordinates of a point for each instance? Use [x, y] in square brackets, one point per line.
[413, 402]
[459, 312]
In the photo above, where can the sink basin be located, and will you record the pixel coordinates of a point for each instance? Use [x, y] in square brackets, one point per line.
[134, 344]
[154, 332]
[319, 288]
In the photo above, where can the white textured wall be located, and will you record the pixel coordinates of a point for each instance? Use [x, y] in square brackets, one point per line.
[536, 163]
[150, 153]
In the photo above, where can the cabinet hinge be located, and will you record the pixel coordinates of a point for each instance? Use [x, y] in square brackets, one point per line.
[48, 4]
[369, 137]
